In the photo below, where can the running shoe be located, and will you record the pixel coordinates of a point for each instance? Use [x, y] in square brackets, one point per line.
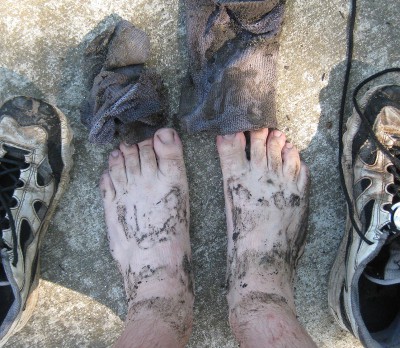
[364, 285]
[35, 159]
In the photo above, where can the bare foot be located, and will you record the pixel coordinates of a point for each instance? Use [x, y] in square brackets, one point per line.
[266, 208]
[146, 204]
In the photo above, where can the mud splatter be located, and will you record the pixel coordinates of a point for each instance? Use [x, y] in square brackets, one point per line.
[298, 245]
[130, 283]
[255, 298]
[188, 270]
[237, 216]
[135, 217]
[121, 213]
[279, 200]
[294, 200]
[247, 212]
[241, 191]
[133, 280]
[263, 202]
[175, 312]
[255, 302]
[175, 203]
[276, 259]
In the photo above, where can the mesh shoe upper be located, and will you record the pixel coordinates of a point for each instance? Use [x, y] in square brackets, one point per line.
[370, 309]
[35, 157]
[23, 154]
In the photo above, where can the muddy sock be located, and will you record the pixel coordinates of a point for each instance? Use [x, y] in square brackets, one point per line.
[126, 100]
[233, 48]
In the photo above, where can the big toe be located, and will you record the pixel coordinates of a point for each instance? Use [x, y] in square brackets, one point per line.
[232, 155]
[169, 152]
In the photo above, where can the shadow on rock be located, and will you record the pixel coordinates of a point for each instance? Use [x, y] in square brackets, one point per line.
[13, 84]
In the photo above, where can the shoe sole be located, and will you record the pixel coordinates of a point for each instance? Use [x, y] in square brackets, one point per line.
[67, 150]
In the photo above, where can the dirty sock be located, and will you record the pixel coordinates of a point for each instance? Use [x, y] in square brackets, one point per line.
[127, 100]
[233, 48]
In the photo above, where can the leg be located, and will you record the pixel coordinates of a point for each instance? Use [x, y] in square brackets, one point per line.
[146, 206]
[266, 207]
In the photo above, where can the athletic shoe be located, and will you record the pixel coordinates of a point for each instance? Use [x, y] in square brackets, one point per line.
[35, 159]
[364, 285]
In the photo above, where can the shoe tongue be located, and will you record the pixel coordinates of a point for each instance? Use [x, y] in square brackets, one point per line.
[390, 274]
[389, 121]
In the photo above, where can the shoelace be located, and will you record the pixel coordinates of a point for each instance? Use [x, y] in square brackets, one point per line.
[392, 158]
[10, 169]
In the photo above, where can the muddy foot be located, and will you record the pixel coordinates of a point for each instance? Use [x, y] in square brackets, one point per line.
[266, 209]
[146, 204]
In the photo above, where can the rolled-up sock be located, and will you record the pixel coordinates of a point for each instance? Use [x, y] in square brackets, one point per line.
[233, 48]
[126, 101]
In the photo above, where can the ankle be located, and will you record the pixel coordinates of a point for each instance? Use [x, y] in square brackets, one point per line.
[257, 301]
[165, 280]
[268, 321]
[156, 323]
[178, 286]
[173, 315]
[262, 282]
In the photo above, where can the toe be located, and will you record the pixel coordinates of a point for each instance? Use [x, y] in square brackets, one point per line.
[303, 180]
[148, 161]
[291, 162]
[116, 168]
[258, 151]
[107, 187]
[132, 161]
[275, 142]
[169, 152]
[231, 149]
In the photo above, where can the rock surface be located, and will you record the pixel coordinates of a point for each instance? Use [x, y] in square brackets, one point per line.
[82, 301]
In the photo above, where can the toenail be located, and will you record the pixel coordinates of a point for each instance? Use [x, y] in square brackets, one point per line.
[277, 133]
[115, 153]
[166, 136]
[127, 144]
[289, 145]
[229, 136]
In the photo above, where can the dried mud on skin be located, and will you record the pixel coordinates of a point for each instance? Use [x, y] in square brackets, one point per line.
[174, 311]
[148, 234]
[284, 255]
